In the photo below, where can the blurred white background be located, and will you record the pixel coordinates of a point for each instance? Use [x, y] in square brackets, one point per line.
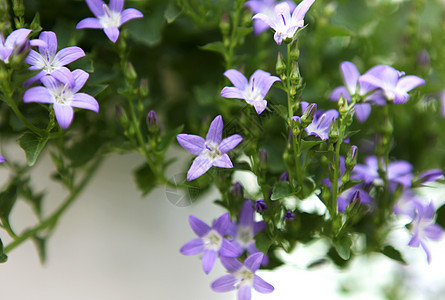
[113, 244]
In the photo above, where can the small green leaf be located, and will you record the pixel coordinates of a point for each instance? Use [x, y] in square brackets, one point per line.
[168, 138]
[172, 12]
[350, 184]
[7, 201]
[343, 247]
[41, 248]
[281, 189]
[263, 242]
[280, 110]
[214, 46]
[35, 24]
[393, 253]
[305, 145]
[145, 179]
[3, 256]
[32, 144]
[440, 213]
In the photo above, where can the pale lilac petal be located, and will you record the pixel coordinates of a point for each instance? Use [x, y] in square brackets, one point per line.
[237, 78]
[278, 38]
[362, 111]
[338, 92]
[38, 94]
[50, 39]
[208, 260]
[265, 18]
[80, 77]
[246, 214]
[17, 37]
[64, 115]
[97, 7]
[229, 250]
[253, 262]
[231, 264]
[350, 76]
[427, 251]
[116, 5]
[5, 53]
[2, 159]
[400, 97]
[85, 101]
[414, 241]
[199, 166]
[342, 203]
[245, 292]
[50, 82]
[229, 143]
[129, 14]
[260, 106]
[63, 75]
[33, 79]
[262, 286]
[215, 130]
[301, 10]
[223, 162]
[69, 54]
[198, 226]
[224, 284]
[259, 226]
[407, 83]
[89, 23]
[282, 13]
[35, 60]
[259, 26]
[328, 117]
[192, 143]
[193, 247]
[433, 232]
[251, 249]
[262, 80]
[112, 33]
[232, 92]
[221, 224]
[398, 168]
[428, 211]
[37, 43]
[430, 175]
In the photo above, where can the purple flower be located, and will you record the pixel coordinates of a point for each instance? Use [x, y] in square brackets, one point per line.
[2, 159]
[351, 195]
[211, 241]
[407, 204]
[15, 43]
[108, 17]
[289, 216]
[284, 176]
[320, 123]
[353, 86]
[423, 228]
[63, 96]
[282, 22]
[244, 232]
[242, 277]
[260, 206]
[429, 176]
[394, 84]
[265, 7]
[399, 172]
[212, 151]
[253, 91]
[50, 61]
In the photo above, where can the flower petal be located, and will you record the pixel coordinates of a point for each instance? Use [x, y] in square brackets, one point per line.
[64, 115]
[229, 250]
[68, 55]
[407, 83]
[17, 37]
[350, 76]
[38, 94]
[245, 292]
[129, 14]
[362, 111]
[433, 232]
[301, 10]
[116, 5]
[33, 79]
[232, 92]
[80, 77]
[199, 166]
[96, 7]
[50, 39]
[63, 75]
[223, 162]
[246, 214]
[259, 226]
[237, 78]
[262, 286]
[266, 19]
[35, 59]
[338, 92]
[229, 143]
[260, 106]
[193, 247]
[208, 260]
[85, 101]
[2, 159]
[253, 262]
[89, 23]
[192, 143]
[224, 284]
[221, 224]
[263, 81]
[231, 264]
[198, 226]
[112, 33]
[215, 130]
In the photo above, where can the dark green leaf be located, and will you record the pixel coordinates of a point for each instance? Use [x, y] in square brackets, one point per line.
[305, 145]
[281, 189]
[214, 46]
[350, 184]
[172, 12]
[3, 256]
[440, 219]
[280, 110]
[7, 200]
[33, 145]
[242, 166]
[393, 253]
[41, 248]
[145, 179]
[85, 149]
[148, 30]
[348, 134]
[263, 242]
[168, 138]
[343, 247]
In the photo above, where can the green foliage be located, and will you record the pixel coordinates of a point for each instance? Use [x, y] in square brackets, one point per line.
[33, 145]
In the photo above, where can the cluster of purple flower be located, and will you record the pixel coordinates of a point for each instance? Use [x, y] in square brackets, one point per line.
[229, 241]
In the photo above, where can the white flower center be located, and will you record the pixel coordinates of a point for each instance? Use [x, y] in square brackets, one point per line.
[244, 236]
[212, 240]
[110, 18]
[211, 151]
[244, 276]
[62, 94]
[252, 94]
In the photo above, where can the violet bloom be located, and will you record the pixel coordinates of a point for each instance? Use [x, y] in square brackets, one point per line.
[265, 7]
[253, 92]
[424, 228]
[289, 216]
[15, 43]
[394, 85]
[108, 17]
[212, 151]
[63, 97]
[353, 86]
[211, 241]
[407, 204]
[351, 195]
[260, 206]
[51, 61]
[282, 22]
[2, 159]
[399, 172]
[320, 123]
[242, 277]
[429, 176]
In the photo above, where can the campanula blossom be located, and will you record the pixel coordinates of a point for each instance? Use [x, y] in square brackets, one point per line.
[395, 86]
[52, 62]
[424, 228]
[211, 241]
[211, 151]
[353, 86]
[252, 91]
[407, 203]
[289, 216]
[285, 24]
[351, 195]
[2, 159]
[16, 42]
[320, 122]
[260, 206]
[265, 7]
[63, 97]
[108, 17]
[242, 277]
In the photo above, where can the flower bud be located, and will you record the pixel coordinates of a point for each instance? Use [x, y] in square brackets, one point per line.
[260, 206]
[289, 216]
[351, 157]
[152, 122]
[281, 65]
[143, 87]
[263, 158]
[130, 72]
[333, 131]
[308, 115]
[238, 191]
[294, 52]
[295, 74]
[224, 25]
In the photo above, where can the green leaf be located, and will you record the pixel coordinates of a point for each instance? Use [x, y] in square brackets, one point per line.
[172, 12]
[281, 189]
[350, 184]
[214, 46]
[145, 179]
[168, 138]
[440, 213]
[280, 110]
[263, 242]
[7, 200]
[343, 247]
[84, 150]
[348, 134]
[148, 30]
[3, 256]
[33, 145]
[35, 24]
[242, 166]
[305, 145]
[393, 253]
[41, 247]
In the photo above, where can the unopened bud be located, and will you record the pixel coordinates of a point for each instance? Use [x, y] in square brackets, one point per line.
[130, 72]
[143, 87]
[351, 157]
[237, 191]
[308, 115]
[295, 74]
[281, 65]
[152, 122]
[284, 177]
[295, 52]
[224, 25]
[260, 206]
[263, 158]
[333, 131]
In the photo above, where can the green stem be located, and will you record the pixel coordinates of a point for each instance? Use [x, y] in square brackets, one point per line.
[335, 179]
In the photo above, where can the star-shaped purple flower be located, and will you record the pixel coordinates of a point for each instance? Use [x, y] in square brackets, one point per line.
[394, 84]
[320, 123]
[265, 7]
[51, 61]
[351, 195]
[63, 97]
[14, 43]
[211, 151]
[253, 91]
[242, 277]
[2, 159]
[282, 22]
[424, 228]
[108, 17]
[353, 86]
[211, 241]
